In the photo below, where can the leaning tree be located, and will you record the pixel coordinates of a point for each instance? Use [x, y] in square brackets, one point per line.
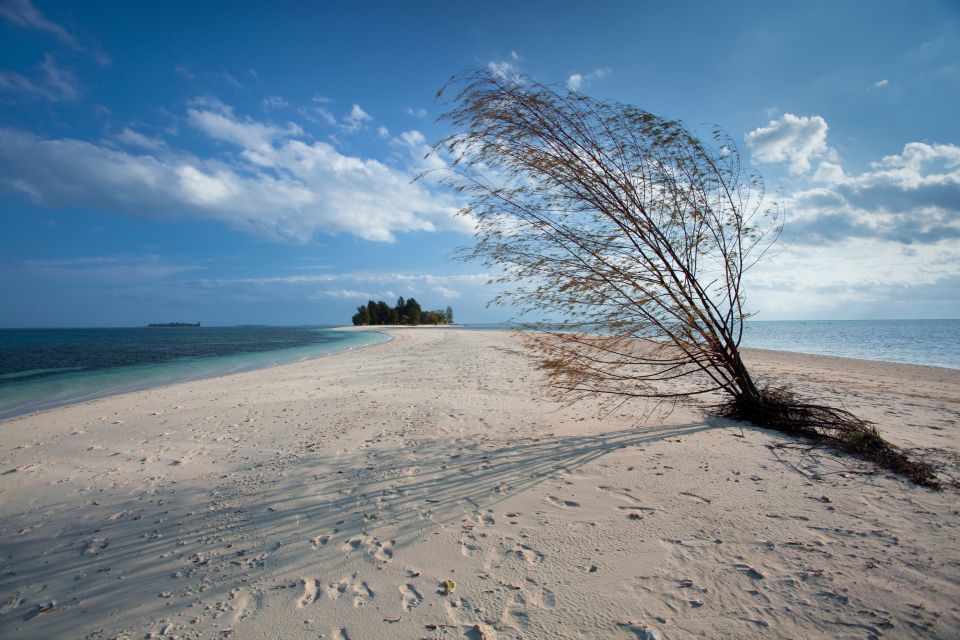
[627, 238]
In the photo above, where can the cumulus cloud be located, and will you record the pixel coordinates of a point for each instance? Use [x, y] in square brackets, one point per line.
[879, 84]
[912, 197]
[271, 181]
[577, 80]
[797, 140]
[868, 243]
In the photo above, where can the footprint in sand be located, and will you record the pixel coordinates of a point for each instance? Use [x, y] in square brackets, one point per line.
[361, 593]
[321, 540]
[468, 546]
[242, 604]
[309, 592]
[353, 544]
[409, 596]
[532, 556]
[483, 519]
[384, 551]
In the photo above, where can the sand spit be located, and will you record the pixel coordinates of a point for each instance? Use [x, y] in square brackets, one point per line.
[414, 489]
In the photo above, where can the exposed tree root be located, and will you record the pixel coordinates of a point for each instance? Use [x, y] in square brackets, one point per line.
[779, 409]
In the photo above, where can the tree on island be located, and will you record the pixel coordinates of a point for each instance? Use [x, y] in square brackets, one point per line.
[627, 238]
[406, 312]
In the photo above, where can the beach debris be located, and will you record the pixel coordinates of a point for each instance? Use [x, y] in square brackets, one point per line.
[447, 586]
[748, 570]
[43, 607]
[642, 631]
[392, 620]
[593, 568]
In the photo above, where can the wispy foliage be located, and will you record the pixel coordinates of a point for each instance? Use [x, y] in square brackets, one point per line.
[622, 236]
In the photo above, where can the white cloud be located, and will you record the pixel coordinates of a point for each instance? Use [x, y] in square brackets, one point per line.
[416, 113]
[133, 138]
[318, 115]
[577, 80]
[355, 120]
[860, 278]
[383, 132]
[881, 243]
[53, 83]
[273, 102]
[879, 84]
[23, 14]
[279, 186]
[352, 294]
[431, 289]
[502, 69]
[908, 198]
[794, 139]
[221, 124]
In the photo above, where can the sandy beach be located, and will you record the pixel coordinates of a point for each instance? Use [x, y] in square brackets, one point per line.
[332, 498]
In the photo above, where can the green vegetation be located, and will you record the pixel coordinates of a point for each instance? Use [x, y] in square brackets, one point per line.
[405, 312]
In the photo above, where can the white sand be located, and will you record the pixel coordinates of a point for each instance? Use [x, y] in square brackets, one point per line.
[330, 498]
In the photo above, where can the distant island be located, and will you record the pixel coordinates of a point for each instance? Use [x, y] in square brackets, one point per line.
[406, 312]
[167, 325]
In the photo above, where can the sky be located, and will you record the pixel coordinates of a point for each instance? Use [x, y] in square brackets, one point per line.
[253, 163]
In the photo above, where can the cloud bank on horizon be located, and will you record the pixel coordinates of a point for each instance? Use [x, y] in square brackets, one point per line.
[310, 170]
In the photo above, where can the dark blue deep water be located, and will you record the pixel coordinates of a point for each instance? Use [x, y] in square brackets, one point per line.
[43, 368]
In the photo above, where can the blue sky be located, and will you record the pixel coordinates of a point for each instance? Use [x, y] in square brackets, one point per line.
[188, 162]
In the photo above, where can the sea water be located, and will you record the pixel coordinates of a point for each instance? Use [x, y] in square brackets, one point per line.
[46, 368]
[925, 342]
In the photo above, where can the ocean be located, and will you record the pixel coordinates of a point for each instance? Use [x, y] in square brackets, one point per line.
[46, 368]
[934, 343]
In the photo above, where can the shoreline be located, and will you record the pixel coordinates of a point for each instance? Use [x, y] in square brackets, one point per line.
[146, 386]
[333, 496]
[385, 331]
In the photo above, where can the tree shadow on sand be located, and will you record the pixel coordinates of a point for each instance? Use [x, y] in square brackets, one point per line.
[314, 512]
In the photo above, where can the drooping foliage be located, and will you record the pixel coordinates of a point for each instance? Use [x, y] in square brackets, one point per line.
[624, 239]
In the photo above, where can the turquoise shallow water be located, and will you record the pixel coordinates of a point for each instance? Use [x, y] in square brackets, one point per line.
[42, 369]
